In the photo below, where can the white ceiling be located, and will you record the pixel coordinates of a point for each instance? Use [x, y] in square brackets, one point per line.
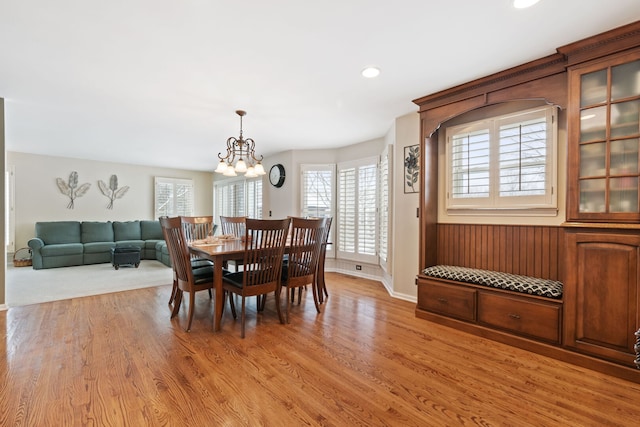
[157, 82]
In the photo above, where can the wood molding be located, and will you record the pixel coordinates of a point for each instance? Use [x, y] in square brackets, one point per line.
[603, 44]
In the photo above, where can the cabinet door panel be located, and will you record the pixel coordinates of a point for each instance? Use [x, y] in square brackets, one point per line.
[601, 294]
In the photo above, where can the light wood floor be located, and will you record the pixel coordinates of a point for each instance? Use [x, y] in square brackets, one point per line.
[118, 360]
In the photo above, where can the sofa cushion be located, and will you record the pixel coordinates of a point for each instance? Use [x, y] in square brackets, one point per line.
[96, 247]
[56, 232]
[129, 230]
[62, 249]
[151, 230]
[93, 231]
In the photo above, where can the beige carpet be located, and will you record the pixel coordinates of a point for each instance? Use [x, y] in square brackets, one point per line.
[24, 285]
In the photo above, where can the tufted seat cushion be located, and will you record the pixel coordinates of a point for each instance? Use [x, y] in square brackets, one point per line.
[513, 282]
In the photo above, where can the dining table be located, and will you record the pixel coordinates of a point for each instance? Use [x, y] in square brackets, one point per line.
[219, 251]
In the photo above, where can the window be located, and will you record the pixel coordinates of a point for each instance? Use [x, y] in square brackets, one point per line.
[238, 197]
[503, 162]
[317, 190]
[318, 195]
[357, 210]
[173, 197]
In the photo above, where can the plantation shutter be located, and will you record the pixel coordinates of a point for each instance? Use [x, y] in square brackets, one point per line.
[347, 211]
[367, 210]
[523, 158]
[173, 197]
[383, 240]
[470, 164]
[357, 210]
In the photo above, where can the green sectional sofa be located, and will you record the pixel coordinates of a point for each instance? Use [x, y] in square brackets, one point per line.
[67, 243]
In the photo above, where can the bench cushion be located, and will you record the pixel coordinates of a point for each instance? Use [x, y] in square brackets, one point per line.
[513, 282]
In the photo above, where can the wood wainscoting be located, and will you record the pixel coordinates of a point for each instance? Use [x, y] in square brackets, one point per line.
[519, 249]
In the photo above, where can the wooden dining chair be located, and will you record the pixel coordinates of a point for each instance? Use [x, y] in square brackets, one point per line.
[301, 266]
[264, 249]
[195, 228]
[320, 282]
[233, 225]
[186, 278]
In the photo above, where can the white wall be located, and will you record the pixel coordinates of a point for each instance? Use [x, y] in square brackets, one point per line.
[3, 253]
[37, 197]
[406, 225]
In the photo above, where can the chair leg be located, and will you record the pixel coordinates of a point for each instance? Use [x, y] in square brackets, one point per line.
[315, 298]
[262, 301]
[290, 295]
[177, 301]
[192, 301]
[174, 289]
[277, 295]
[242, 318]
[233, 305]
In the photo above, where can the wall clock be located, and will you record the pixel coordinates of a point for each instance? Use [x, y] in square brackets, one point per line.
[276, 175]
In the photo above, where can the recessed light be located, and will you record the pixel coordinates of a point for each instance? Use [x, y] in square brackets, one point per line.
[371, 72]
[523, 4]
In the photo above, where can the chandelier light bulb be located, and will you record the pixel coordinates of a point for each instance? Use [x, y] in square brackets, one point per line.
[241, 166]
[260, 169]
[222, 166]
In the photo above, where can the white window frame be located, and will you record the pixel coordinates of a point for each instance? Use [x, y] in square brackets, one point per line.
[352, 242]
[187, 198]
[544, 204]
[328, 210]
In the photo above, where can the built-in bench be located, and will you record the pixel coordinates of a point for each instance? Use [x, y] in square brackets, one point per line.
[495, 279]
[524, 305]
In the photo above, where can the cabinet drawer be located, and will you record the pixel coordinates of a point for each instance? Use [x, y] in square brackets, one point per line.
[450, 300]
[533, 318]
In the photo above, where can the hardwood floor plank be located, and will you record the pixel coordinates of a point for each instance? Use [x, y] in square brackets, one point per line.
[118, 359]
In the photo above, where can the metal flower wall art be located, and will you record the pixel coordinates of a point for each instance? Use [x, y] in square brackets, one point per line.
[411, 168]
[112, 191]
[71, 188]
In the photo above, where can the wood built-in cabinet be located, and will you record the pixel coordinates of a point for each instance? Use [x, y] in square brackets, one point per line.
[604, 139]
[602, 297]
[602, 287]
[596, 84]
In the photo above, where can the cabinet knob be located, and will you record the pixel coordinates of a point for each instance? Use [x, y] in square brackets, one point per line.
[442, 300]
[514, 316]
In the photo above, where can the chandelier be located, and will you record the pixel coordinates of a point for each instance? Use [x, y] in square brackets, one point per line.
[243, 150]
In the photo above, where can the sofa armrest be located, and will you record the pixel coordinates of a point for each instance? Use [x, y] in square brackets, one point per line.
[35, 244]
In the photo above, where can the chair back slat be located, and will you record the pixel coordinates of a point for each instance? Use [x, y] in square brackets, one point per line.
[234, 225]
[198, 227]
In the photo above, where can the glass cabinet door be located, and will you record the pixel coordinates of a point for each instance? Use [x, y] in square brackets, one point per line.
[608, 143]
